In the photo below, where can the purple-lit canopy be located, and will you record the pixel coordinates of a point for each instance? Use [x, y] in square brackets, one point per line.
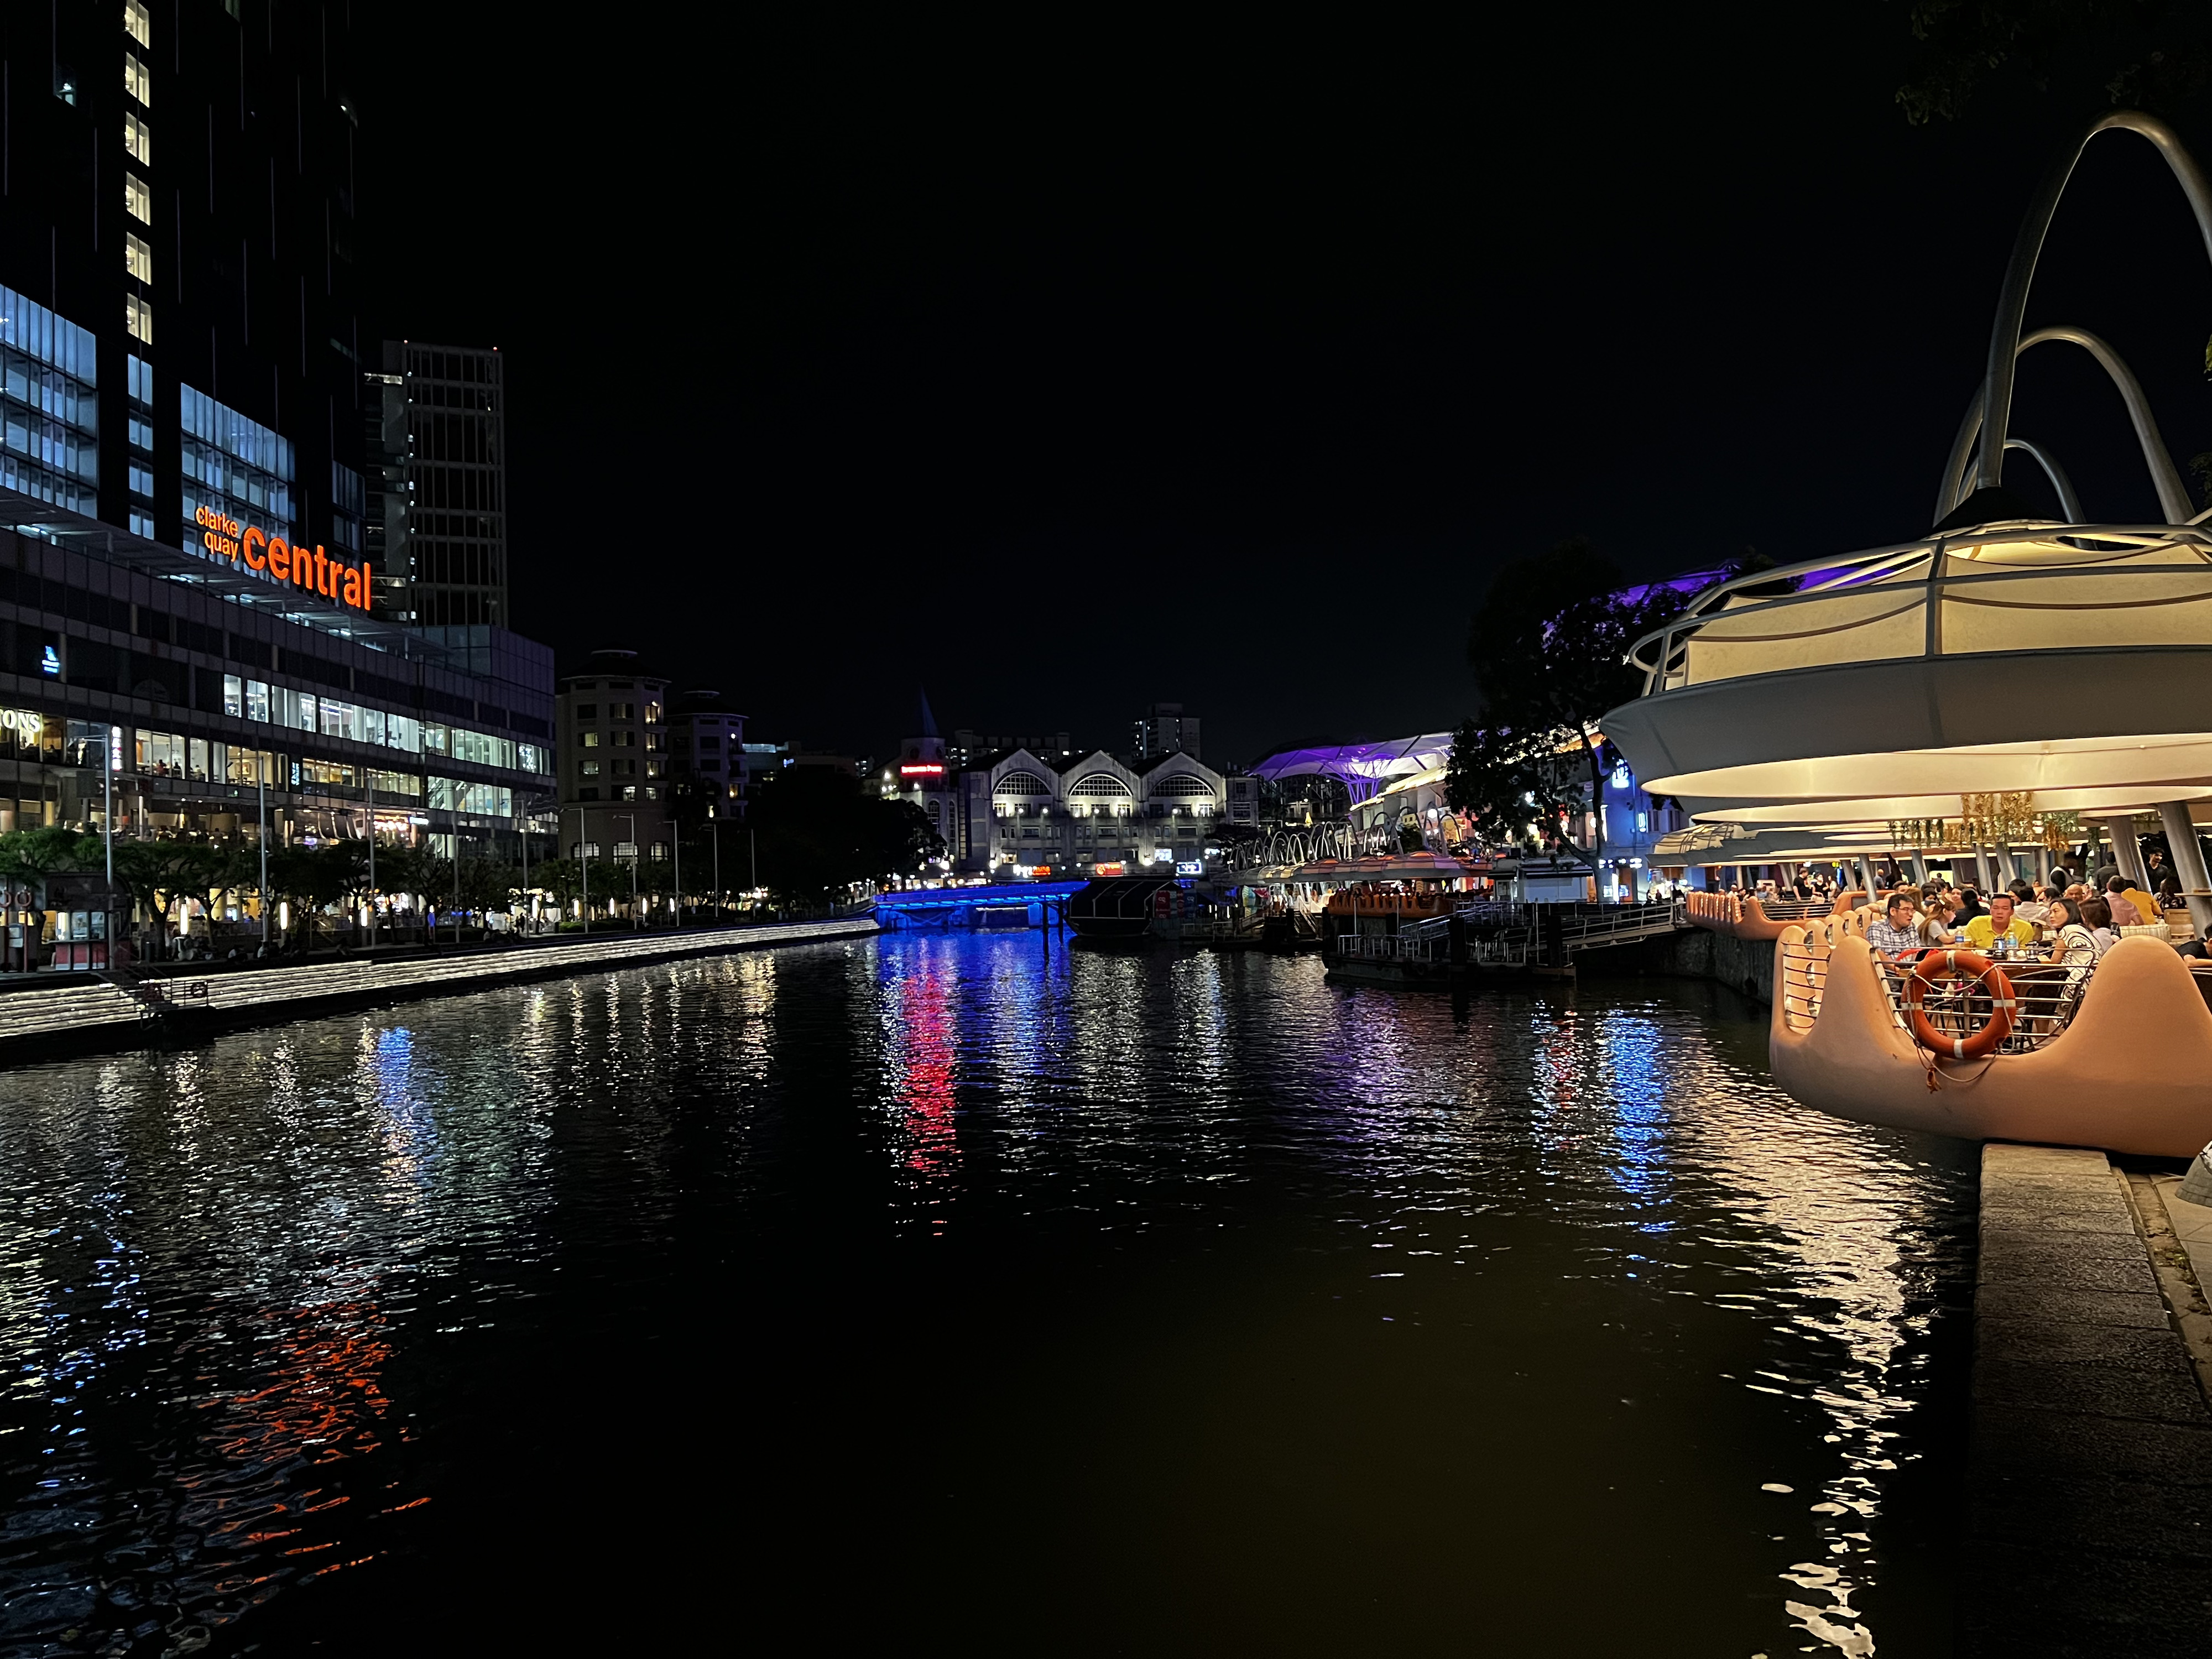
[1364, 769]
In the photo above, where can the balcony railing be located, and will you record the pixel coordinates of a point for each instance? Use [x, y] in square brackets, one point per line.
[2043, 587]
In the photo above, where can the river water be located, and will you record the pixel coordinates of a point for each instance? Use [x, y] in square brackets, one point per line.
[976, 1293]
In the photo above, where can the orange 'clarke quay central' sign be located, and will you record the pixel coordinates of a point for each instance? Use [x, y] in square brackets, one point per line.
[278, 560]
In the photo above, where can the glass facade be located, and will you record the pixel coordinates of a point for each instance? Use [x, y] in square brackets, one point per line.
[50, 406]
[234, 466]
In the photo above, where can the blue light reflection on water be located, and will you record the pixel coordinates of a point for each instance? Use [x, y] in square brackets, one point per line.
[1248, 1294]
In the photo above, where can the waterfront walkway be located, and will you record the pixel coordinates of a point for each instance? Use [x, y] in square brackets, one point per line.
[99, 1013]
[2091, 1523]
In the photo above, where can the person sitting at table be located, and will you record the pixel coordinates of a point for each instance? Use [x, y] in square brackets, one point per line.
[2076, 943]
[2026, 905]
[1970, 905]
[2195, 949]
[2150, 909]
[2125, 914]
[1934, 925]
[1982, 932]
[2169, 893]
[2097, 916]
[1893, 934]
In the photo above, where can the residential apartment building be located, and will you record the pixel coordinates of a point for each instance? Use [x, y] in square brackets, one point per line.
[706, 770]
[613, 765]
[1165, 729]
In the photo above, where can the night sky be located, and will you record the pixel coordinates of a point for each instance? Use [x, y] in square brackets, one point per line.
[1063, 372]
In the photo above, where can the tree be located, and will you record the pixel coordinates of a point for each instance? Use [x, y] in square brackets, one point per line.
[2137, 54]
[819, 832]
[1506, 780]
[1549, 644]
[28, 855]
[156, 873]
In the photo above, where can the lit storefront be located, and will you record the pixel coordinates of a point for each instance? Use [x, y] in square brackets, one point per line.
[210, 694]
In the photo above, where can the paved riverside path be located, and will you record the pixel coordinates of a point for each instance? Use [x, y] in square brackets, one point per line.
[95, 1010]
[2090, 1521]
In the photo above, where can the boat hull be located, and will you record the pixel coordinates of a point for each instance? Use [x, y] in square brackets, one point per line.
[2132, 1072]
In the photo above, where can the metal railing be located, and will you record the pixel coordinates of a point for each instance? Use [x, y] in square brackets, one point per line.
[2048, 995]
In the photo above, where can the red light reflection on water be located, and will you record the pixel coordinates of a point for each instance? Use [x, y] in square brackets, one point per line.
[924, 1086]
[319, 1400]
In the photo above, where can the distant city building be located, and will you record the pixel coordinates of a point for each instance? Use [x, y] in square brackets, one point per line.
[613, 760]
[1165, 729]
[1244, 800]
[434, 431]
[707, 759]
[967, 747]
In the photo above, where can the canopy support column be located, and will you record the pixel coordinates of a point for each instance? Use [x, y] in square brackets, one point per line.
[2188, 861]
[2127, 851]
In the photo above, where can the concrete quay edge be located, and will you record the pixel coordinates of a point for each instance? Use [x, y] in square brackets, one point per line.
[2089, 1516]
[98, 1015]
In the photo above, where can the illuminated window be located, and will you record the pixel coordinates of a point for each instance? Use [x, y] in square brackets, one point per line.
[138, 23]
[138, 139]
[257, 701]
[137, 259]
[136, 81]
[138, 198]
[622, 711]
[234, 696]
[138, 318]
[588, 739]
[588, 769]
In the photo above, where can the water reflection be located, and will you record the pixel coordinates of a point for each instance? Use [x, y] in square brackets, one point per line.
[1318, 1292]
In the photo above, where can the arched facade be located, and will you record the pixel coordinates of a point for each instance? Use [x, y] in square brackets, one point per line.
[1026, 816]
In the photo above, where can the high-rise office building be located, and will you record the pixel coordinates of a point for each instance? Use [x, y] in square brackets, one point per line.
[177, 252]
[1165, 729]
[185, 598]
[435, 441]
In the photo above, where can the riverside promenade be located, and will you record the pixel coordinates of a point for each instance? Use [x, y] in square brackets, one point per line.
[93, 1012]
[2090, 1523]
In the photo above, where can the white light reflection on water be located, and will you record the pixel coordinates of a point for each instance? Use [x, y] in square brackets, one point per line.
[234, 1280]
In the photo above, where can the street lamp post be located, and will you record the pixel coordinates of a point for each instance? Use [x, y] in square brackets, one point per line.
[632, 819]
[584, 855]
[261, 834]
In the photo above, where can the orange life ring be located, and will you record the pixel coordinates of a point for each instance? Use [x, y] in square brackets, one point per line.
[1972, 964]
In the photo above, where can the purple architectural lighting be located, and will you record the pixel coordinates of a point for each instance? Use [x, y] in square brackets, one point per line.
[1364, 769]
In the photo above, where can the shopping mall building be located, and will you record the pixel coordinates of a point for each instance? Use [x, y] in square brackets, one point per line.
[221, 698]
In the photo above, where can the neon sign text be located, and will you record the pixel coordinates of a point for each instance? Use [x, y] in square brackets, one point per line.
[277, 559]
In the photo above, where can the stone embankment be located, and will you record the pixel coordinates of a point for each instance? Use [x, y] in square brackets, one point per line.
[95, 1013]
[2090, 1523]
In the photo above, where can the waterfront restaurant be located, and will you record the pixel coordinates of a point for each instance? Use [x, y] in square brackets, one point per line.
[207, 690]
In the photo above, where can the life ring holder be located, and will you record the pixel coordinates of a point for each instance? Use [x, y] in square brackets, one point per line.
[2004, 1006]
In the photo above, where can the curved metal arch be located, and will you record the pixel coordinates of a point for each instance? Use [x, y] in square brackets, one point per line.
[2068, 503]
[2019, 274]
[2165, 477]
